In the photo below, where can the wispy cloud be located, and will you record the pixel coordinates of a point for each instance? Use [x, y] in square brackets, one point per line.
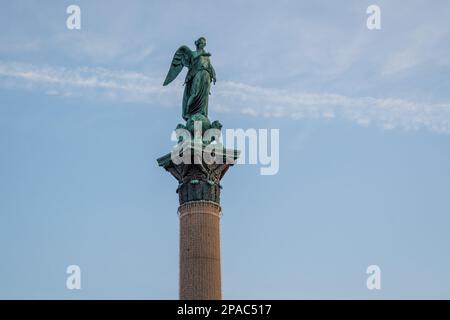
[422, 46]
[83, 81]
[132, 87]
[14, 47]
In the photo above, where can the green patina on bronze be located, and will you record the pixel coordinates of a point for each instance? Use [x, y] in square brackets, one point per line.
[198, 79]
[197, 180]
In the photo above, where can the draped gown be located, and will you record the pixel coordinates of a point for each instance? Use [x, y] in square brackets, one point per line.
[197, 86]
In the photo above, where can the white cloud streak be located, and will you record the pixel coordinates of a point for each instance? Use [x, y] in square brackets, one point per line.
[134, 87]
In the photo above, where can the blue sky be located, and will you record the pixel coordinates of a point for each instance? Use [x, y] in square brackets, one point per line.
[364, 120]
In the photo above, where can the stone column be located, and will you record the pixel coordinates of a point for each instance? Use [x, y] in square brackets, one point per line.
[199, 212]
[200, 251]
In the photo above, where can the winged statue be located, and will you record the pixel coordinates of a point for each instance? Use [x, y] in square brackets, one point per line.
[198, 78]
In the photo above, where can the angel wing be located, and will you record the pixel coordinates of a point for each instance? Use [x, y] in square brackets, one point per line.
[182, 58]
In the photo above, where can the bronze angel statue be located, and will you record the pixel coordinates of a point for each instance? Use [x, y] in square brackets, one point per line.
[198, 79]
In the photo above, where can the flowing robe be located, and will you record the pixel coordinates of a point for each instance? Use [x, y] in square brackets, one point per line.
[197, 86]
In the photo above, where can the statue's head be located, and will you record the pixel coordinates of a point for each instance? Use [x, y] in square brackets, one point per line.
[200, 43]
